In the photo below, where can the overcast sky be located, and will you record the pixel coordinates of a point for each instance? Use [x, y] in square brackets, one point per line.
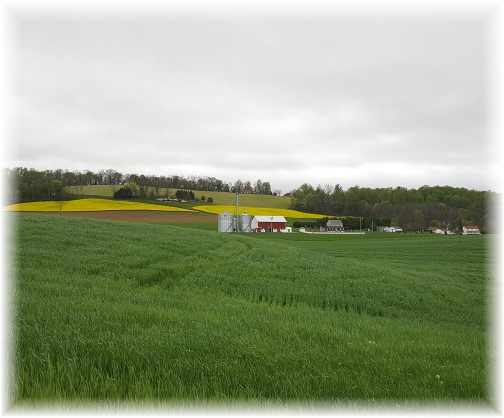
[323, 98]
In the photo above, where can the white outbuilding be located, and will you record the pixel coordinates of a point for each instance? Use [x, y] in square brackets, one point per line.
[471, 230]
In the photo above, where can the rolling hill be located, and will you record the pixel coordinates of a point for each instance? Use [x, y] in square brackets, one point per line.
[219, 198]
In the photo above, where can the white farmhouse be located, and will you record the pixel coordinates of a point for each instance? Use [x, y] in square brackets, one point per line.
[471, 230]
[394, 229]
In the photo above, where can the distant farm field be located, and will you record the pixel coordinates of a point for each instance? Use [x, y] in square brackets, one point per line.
[219, 198]
[110, 311]
[89, 205]
[111, 205]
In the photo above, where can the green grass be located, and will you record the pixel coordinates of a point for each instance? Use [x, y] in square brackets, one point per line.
[207, 226]
[95, 191]
[219, 198]
[128, 312]
[410, 250]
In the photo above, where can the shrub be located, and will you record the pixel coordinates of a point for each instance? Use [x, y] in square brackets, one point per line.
[185, 194]
[123, 193]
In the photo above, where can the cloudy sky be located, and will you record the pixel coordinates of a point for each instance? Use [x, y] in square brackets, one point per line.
[316, 96]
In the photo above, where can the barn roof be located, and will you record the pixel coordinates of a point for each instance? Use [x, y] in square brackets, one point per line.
[270, 219]
[334, 222]
[471, 227]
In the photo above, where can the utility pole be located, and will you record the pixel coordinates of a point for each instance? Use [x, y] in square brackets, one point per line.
[236, 211]
[360, 225]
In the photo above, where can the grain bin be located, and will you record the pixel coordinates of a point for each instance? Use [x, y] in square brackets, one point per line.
[245, 222]
[225, 222]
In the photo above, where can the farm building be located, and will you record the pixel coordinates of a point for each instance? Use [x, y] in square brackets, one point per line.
[393, 229]
[228, 223]
[470, 230]
[334, 225]
[167, 198]
[268, 223]
[444, 231]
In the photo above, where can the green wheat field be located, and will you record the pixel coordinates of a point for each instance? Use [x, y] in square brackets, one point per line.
[111, 311]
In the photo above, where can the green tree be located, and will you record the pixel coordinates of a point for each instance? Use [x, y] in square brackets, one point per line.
[133, 187]
[123, 193]
[419, 223]
[266, 187]
[55, 190]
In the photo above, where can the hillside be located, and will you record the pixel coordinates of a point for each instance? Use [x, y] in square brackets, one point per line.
[219, 198]
[116, 311]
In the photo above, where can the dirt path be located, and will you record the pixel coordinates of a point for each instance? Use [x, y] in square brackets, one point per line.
[140, 216]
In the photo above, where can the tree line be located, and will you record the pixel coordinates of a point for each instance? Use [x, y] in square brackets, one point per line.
[28, 184]
[412, 209]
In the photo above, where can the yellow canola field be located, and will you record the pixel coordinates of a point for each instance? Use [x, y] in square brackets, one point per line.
[288, 213]
[89, 205]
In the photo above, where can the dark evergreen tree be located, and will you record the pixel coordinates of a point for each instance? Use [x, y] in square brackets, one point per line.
[123, 193]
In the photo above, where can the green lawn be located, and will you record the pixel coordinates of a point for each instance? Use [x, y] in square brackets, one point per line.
[133, 312]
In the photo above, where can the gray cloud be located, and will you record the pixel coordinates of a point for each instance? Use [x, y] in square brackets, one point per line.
[288, 100]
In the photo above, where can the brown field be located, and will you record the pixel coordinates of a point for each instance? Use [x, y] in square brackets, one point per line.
[140, 216]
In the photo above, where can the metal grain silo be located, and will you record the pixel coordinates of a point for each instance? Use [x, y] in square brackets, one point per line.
[225, 222]
[245, 222]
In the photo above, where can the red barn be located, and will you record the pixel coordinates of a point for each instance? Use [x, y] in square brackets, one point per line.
[268, 223]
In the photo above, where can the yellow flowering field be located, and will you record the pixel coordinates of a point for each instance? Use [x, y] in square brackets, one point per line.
[89, 205]
[288, 213]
